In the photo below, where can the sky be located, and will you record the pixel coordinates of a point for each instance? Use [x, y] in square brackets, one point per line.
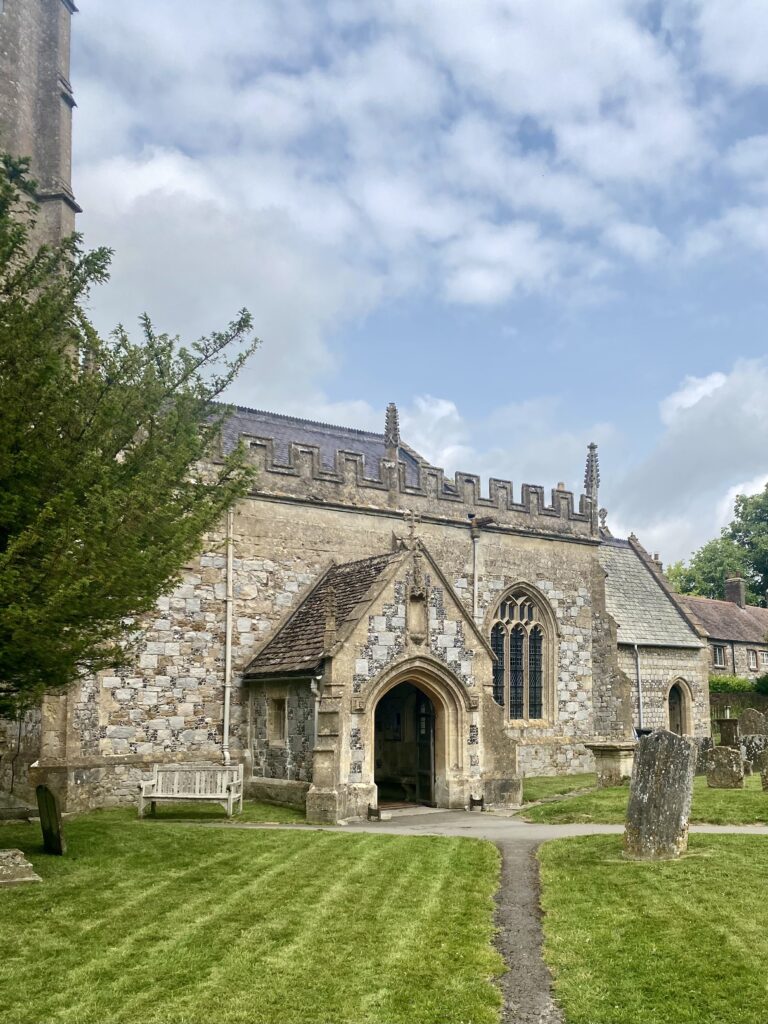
[532, 224]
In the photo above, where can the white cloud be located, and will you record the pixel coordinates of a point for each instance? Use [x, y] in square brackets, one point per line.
[743, 226]
[716, 438]
[638, 241]
[748, 160]
[734, 40]
[690, 392]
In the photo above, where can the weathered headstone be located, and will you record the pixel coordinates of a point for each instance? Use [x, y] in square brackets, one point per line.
[15, 868]
[761, 765]
[660, 797]
[726, 769]
[753, 723]
[703, 746]
[752, 747]
[729, 732]
[50, 821]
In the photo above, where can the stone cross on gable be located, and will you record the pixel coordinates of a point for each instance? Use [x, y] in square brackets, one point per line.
[412, 520]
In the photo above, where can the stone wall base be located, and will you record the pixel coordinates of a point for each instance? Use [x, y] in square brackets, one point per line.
[277, 791]
[503, 793]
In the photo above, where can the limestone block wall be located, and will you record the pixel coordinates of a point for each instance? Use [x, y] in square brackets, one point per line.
[660, 667]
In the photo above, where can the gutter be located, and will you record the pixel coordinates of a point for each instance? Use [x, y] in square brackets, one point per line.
[228, 601]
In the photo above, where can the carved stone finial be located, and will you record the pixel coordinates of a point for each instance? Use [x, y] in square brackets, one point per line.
[329, 609]
[392, 427]
[603, 513]
[417, 590]
[592, 472]
[412, 520]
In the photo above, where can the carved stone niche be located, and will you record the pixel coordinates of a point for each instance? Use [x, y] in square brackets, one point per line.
[417, 618]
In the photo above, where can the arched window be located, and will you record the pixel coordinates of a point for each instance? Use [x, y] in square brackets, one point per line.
[518, 639]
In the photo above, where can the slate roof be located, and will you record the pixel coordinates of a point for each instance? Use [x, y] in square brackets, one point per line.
[724, 620]
[328, 438]
[298, 645]
[643, 612]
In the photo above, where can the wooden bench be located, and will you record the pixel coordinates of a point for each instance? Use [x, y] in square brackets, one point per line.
[172, 783]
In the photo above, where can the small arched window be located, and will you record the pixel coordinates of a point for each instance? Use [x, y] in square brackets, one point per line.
[518, 639]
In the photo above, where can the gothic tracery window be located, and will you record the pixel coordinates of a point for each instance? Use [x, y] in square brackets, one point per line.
[518, 641]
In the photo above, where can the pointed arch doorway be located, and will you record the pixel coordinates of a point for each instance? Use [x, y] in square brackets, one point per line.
[404, 746]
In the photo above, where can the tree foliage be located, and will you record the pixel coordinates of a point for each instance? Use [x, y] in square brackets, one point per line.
[740, 550]
[107, 484]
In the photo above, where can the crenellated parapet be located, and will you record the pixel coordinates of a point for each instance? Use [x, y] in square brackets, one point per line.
[352, 480]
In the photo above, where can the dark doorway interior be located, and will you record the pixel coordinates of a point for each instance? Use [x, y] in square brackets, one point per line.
[404, 748]
[676, 710]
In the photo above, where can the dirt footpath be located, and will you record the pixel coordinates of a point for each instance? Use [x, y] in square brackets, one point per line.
[527, 984]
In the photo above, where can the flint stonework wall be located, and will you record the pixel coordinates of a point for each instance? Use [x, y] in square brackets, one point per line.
[291, 758]
[19, 747]
[739, 653]
[660, 667]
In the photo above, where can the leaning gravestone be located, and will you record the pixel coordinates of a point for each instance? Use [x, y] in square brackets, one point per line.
[50, 821]
[753, 723]
[660, 797]
[15, 868]
[726, 769]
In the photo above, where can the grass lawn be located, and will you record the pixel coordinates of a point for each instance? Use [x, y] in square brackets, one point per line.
[683, 942]
[253, 810]
[748, 806]
[540, 787]
[172, 924]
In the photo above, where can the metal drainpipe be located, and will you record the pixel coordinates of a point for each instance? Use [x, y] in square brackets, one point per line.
[639, 689]
[475, 539]
[314, 686]
[228, 601]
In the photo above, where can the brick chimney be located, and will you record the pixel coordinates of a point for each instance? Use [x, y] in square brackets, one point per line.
[736, 591]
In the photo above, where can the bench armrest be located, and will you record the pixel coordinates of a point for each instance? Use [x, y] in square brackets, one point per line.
[145, 788]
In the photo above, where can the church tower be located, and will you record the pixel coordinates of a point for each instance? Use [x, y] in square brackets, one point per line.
[36, 104]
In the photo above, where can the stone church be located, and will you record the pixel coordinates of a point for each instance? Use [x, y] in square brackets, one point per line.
[362, 628]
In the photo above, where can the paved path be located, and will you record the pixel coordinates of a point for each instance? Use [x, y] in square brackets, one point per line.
[527, 985]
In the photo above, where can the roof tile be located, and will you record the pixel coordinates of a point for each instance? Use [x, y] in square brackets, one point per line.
[299, 645]
[725, 620]
[643, 612]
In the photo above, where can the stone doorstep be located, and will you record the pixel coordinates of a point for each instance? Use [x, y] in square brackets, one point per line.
[15, 869]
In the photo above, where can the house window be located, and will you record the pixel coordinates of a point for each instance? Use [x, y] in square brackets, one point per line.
[752, 659]
[276, 716]
[518, 639]
[718, 653]
[764, 658]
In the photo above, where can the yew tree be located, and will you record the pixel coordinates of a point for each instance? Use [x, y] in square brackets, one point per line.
[111, 468]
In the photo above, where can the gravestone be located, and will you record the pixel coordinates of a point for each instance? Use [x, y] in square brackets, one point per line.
[660, 797]
[752, 747]
[703, 746]
[15, 868]
[729, 731]
[50, 821]
[761, 765]
[753, 723]
[726, 769]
